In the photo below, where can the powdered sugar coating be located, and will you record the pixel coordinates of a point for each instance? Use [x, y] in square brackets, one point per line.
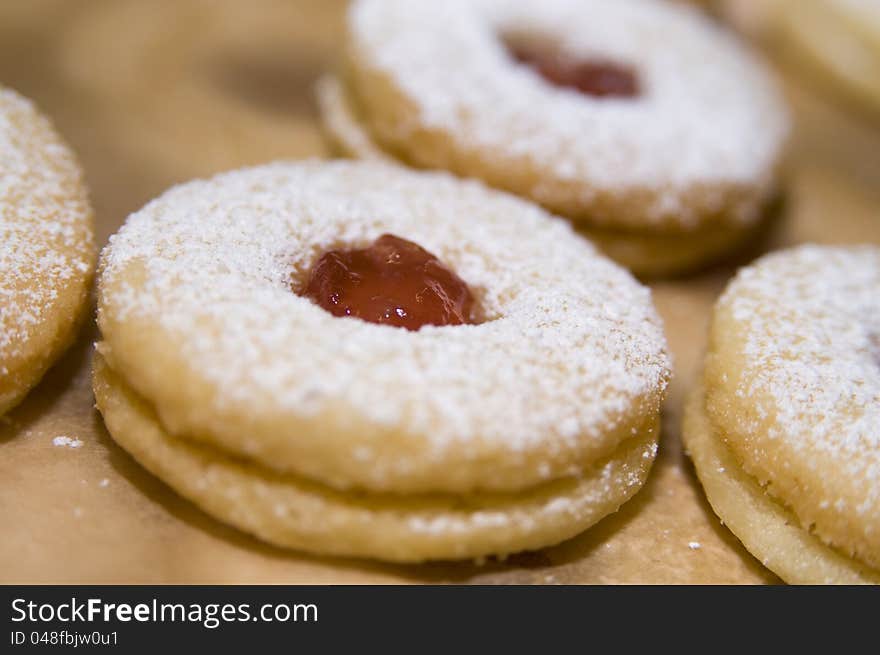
[701, 142]
[571, 361]
[802, 405]
[46, 247]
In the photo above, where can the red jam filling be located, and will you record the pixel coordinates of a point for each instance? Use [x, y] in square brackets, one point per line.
[394, 282]
[591, 77]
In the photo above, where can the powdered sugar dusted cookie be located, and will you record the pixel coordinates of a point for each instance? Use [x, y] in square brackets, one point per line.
[641, 121]
[367, 338]
[791, 402]
[46, 247]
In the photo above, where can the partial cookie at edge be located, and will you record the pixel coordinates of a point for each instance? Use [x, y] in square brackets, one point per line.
[47, 256]
[766, 528]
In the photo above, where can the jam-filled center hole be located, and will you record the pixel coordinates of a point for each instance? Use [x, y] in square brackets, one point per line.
[393, 282]
[597, 77]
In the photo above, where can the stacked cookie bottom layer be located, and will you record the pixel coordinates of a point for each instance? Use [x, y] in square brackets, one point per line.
[769, 530]
[291, 511]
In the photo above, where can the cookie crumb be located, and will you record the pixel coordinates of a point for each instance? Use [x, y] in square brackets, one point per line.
[62, 440]
[694, 545]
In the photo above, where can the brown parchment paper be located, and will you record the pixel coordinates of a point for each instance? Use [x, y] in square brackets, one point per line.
[151, 93]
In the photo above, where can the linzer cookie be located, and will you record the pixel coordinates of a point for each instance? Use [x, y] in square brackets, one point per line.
[643, 122]
[784, 430]
[375, 362]
[46, 247]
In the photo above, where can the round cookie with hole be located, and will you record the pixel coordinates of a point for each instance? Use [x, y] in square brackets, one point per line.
[652, 129]
[355, 345]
